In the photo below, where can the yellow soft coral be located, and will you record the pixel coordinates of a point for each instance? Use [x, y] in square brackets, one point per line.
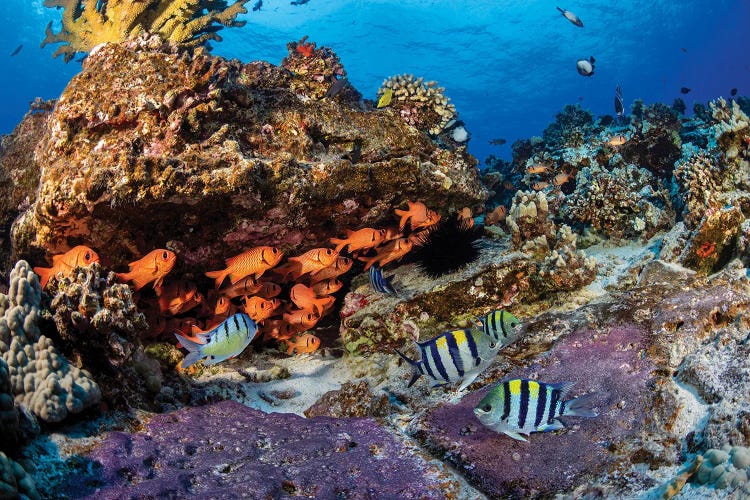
[88, 23]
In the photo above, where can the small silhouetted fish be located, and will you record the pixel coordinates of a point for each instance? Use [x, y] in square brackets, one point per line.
[585, 67]
[257, 5]
[571, 17]
[335, 87]
[379, 282]
[683, 49]
[498, 142]
[733, 92]
[619, 107]
[684, 90]
[18, 49]
[299, 2]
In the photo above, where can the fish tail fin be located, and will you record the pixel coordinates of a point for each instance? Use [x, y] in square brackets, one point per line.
[416, 370]
[339, 243]
[219, 275]
[44, 275]
[194, 350]
[582, 406]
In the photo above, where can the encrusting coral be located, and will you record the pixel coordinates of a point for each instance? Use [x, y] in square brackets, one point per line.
[42, 379]
[188, 23]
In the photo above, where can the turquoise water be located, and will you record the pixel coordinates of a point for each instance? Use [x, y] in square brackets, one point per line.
[508, 66]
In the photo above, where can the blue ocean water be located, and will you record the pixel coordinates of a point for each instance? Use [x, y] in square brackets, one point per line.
[508, 66]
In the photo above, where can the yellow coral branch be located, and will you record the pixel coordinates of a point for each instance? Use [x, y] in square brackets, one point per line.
[88, 23]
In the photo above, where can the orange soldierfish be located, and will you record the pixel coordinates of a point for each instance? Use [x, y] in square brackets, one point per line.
[174, 296]
[80, 256]
[303, 344]
[417, 213]
[539, 168]
[393, 250]
[304, 297]
[254, 262]
[246, 286]
[327, 287]
[360, 239]
[302, 317]
[431, 219]
[561, 178]
[538, 186]
[339, 267]
[259, 308]
[268, 290]
[617, 140]
[153, 267]
[309, 262]
[277, 329]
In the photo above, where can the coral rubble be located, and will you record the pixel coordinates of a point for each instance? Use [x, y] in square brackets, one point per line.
[86, 24]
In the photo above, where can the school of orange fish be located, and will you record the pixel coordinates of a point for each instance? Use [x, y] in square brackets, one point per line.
[254, 282]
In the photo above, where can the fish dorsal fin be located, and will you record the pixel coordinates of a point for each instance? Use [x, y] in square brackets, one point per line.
[564, 388]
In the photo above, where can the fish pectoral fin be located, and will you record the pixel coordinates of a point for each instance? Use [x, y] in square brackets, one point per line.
[513, 434]
[468, 379]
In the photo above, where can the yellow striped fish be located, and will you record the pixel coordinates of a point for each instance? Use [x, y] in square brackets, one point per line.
[501, 325]
[521, 406]
[452, 356]
[225, 341]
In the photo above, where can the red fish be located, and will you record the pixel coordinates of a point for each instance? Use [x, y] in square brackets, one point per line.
[246, 286]
[418, 215]
[393, 250]
[309, 262]
[327, 287]
[80, 256]
[302, 317]
[277, 329]
[259, 308]
[177, 297]
[268, 290]
[254, 262]
[303, 344]
[360, 239]
[304, 297]
[153, 267]
[339, 267]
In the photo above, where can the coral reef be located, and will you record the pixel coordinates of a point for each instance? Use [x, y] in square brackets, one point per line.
[625, 202]
[41, 378]
[15, 482]
[421, 104]
[570, 127]
[9, 432]
[352, 400]
[143, 133]
[698, 179]
[655, 141]
[86, 24]
[349, 456]
[726, 468]
[316, 71]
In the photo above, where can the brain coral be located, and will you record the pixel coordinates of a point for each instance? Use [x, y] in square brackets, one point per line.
[41, 378]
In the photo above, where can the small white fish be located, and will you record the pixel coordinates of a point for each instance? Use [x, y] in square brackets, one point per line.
[225, 341]
[585, 67]
[571, 17]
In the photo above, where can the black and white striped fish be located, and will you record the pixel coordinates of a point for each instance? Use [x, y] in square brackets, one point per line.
[501, 325]
[452, 356]
[521, 406]
[379, 282]
[225, 341]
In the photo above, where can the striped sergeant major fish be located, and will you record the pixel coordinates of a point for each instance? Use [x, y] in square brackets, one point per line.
[452, 356]
[379, 282]
[521, 406]
[225, 341]
[501, 325]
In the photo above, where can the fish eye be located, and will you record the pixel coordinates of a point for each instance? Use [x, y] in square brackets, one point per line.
[486, 408]
[492, 345]
[275, 250]
[513, 325]
[164, 255]
[87, 256]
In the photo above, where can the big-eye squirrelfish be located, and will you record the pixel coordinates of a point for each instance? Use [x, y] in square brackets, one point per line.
[360, 239]
[415, 214]
[303, 344]
[246, 286]
[393, 250]
[225, 341]
[80, 256]
[309, 262]
[253, 262]
[302, 317]
[304, 297]
[177, 297]
[521, 406]
[327, 287]
[258, 308]
[277, 329]
[340, 266]
[154, 266]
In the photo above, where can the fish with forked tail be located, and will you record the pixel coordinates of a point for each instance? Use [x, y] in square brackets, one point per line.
[521, 406]
[154, 266]
[225, 341]
[80, 256]
[571, 17]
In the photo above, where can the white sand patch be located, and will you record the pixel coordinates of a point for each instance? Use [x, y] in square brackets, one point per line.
[693, 414]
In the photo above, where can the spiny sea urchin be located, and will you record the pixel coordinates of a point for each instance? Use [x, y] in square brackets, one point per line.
[448, 247]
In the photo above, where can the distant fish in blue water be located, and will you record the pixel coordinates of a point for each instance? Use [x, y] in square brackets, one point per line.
[585, 67]
[225, 341]
[18, 49]
[257, 5]
[498, 142]
[684, 90]
[380, 283]
[571, 17]
[299, 2]
[619, 107]
[733, 92]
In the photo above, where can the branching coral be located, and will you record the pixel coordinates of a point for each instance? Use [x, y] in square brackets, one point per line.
[41, 378]
[188, 23]
[622, 203]
[421, 104]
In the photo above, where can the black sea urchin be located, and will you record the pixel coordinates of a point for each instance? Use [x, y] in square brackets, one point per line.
[448, 247]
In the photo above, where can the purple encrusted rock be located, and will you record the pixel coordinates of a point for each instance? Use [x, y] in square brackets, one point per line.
[610, 363]
[227, 450]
